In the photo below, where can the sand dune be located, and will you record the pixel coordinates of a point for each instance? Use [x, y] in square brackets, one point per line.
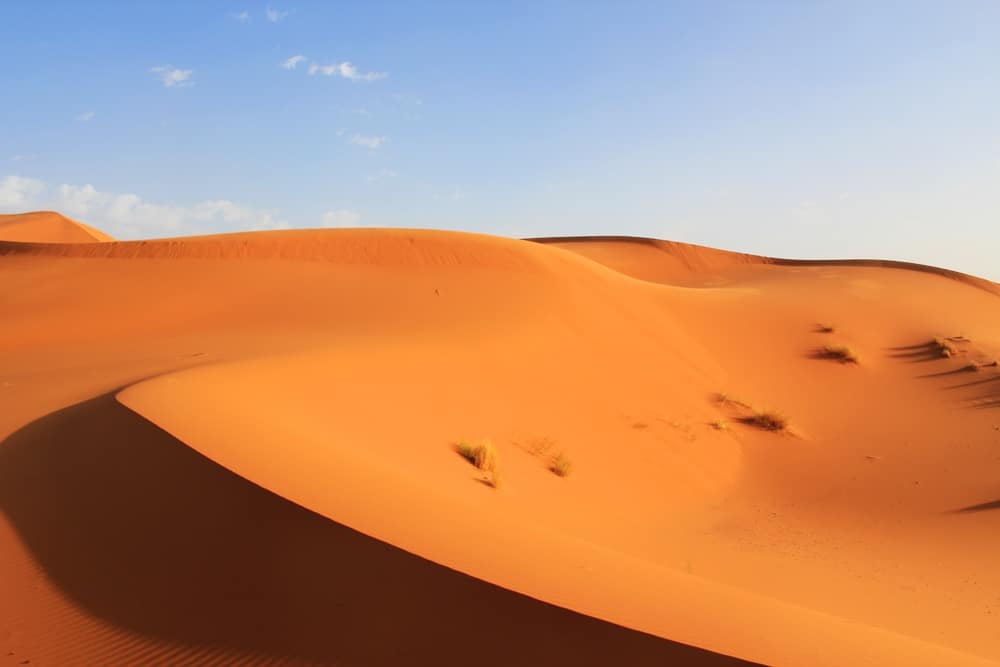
[47, 227]
[241, 448]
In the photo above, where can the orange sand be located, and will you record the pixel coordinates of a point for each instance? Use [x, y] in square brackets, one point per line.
[240, 448]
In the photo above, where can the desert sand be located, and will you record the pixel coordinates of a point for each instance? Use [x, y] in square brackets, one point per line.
[241, 449]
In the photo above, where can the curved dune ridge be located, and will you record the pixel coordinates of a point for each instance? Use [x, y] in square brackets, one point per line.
[684, 263]
[47, 227]
[241, 449]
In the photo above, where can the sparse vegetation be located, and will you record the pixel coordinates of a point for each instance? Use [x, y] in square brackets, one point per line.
[842, 353]
[540, 446]
[769, 420]
[826, 328]
[561, 465]
[483, 455]
[727, 399]
[971, 367]
[720, 425]
[944, 346]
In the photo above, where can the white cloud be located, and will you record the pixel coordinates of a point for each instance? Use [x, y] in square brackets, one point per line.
[347, 71]
[171, 76]
[128, 215]
[275, 15]
[18, 193]
[242, 17]
[341, 218]
[84, 117]
[293, 62]
[369, 142]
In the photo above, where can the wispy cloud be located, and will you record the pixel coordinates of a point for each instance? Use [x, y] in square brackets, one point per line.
[128, 215]
[369, 142]
[294, 61]
[453, 195]
[173, 77]
[84, 117]
[347, 71]
[242, 17]
[275, 15]
[380, 174]
[21, 158]
[341, 218]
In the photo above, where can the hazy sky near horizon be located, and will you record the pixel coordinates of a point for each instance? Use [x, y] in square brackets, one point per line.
[795, 129]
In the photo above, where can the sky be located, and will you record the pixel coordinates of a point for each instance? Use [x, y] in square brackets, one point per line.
[806, 129]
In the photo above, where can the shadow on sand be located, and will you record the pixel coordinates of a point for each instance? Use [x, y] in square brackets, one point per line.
[141, 530]
[981, 507]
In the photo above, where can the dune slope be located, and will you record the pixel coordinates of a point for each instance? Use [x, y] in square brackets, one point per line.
[248, 428]
[47, 227]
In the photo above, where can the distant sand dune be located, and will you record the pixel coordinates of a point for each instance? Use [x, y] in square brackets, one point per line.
[47, 227]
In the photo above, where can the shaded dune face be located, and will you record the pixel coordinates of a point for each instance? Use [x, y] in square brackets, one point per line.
[142, 531]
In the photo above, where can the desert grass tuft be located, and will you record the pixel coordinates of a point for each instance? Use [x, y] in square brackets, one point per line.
[720, 425]
[825, 327]
[561, 465]
[971, 367]
[540, 446]
[769, 420]
[483, 455]
[728, 399]
[842, 353]
[944, 346]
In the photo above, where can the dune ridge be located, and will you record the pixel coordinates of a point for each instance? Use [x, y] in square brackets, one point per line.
[674, 261]
[47, 227]
[274, 413]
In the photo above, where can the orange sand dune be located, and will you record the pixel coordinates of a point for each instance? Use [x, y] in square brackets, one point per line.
[47, 227]
[240, 448]
[686, 264]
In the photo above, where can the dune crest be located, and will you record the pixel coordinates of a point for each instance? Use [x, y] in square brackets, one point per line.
[47, 227]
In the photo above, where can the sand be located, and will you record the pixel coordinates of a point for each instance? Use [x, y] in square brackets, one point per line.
[240, 448]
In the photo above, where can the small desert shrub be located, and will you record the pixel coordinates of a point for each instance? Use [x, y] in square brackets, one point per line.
[540, 446]
[483, 455]
[826, 328]
[769, 420]
[971, 367]
[728, 399]
[842, 353]
[720, 425]
[944, 347]
[561, 465]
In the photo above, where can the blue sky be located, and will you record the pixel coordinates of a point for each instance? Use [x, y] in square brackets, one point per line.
[799, 129]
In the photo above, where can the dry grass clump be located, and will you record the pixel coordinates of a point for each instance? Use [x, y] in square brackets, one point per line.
[720, 425]
[842, 353]
[483, 455]
[769, 420]
[727, 399]
[825, 327]
[561, 465]
[944, 346]
[971, 367]
[539, 446]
